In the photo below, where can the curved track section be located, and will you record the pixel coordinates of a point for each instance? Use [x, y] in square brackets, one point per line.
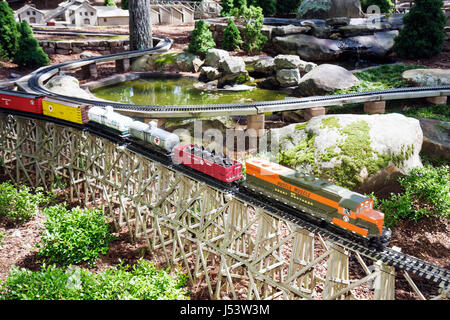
[35, 83]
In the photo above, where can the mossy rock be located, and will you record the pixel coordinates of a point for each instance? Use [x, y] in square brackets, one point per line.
[349, 149]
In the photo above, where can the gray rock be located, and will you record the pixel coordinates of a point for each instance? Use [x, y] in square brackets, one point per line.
[288, 77]
[436, 137]
[377, 45]
[308, 47]
[351, 150]
[265, 66]
[232, 65]
[285, 61]
[289, 29]
[354, 30]
[188, 62]
[210, 73]
[427, 77]
[215, 56]
[67, 86]
[339, 21]
[325, 78]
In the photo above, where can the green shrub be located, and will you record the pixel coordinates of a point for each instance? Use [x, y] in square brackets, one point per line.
[423, 34]
[231, 37]
[124, 4]
[426, 193]
[201, 38]
[268, 6]
[9, 35]
[386, 6]
[285, 7]
[140, 282]
[109, 3]
[18, 204]
[239, 4]
[227, 7]
[253, 19]
[30, 53]
[71, 237]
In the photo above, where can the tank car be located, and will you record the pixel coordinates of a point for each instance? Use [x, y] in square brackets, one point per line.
[151, 135]
[211, 163]
[109, 118]
[21, 101]
[350, 211]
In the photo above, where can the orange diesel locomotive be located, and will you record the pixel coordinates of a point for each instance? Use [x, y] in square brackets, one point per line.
[346, 209]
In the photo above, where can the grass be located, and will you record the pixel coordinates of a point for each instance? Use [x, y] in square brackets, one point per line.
[380, 78]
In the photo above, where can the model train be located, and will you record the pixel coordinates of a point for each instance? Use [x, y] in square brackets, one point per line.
[350, 212]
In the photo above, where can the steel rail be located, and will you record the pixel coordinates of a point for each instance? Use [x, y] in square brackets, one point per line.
[390, 256]
[35, 83]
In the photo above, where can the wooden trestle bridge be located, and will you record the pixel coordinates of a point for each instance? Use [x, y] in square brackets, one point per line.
[234, 249]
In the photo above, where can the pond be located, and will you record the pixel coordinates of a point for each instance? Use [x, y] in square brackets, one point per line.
[179, 91]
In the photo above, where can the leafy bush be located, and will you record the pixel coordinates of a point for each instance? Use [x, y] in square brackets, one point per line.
[231, 37]
[239, 4]
[253, 19]
[71, 237]
[386, 6]
[109, 3]
[18, 204]
[140, 282]
[201, 38]
[227, 7]
[426, 194]
[30, 53]
[9, 35]
[423, 34]
[268, 6]
[285, 7]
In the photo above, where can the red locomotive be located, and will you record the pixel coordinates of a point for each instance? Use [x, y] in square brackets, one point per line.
[216, 165]
[21, 101]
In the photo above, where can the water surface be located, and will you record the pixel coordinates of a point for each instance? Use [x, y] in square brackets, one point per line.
[179, 92]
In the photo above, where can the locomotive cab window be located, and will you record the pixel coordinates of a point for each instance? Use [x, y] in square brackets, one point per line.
[347, 211]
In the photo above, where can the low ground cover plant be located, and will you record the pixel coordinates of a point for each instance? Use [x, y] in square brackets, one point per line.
[139, 282]
[19, 203]
[73, 236]
[426, 193]
[380, 78]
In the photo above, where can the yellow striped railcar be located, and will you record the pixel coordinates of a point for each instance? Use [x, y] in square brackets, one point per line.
[65, 110]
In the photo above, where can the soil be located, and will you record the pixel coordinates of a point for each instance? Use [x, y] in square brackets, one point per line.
[428, 239]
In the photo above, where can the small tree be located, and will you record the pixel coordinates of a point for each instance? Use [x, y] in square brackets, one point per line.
[423, 34]
[386, 6]
[240, 3]
[227, 7]
[201, 38]
[9, 34]
[30, 54]
[109, 3]
[253, 19]
[231, 37]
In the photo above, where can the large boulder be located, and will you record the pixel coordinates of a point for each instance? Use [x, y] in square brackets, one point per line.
[324, 79]
[215, 56]
[427, 77]
[351, 150]
[188, 62]
[308, 47]
[67, 86]
[436, 138]
[264, 66]
[287, 61]
[324, 9]
[232, 65]
[379, 44]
